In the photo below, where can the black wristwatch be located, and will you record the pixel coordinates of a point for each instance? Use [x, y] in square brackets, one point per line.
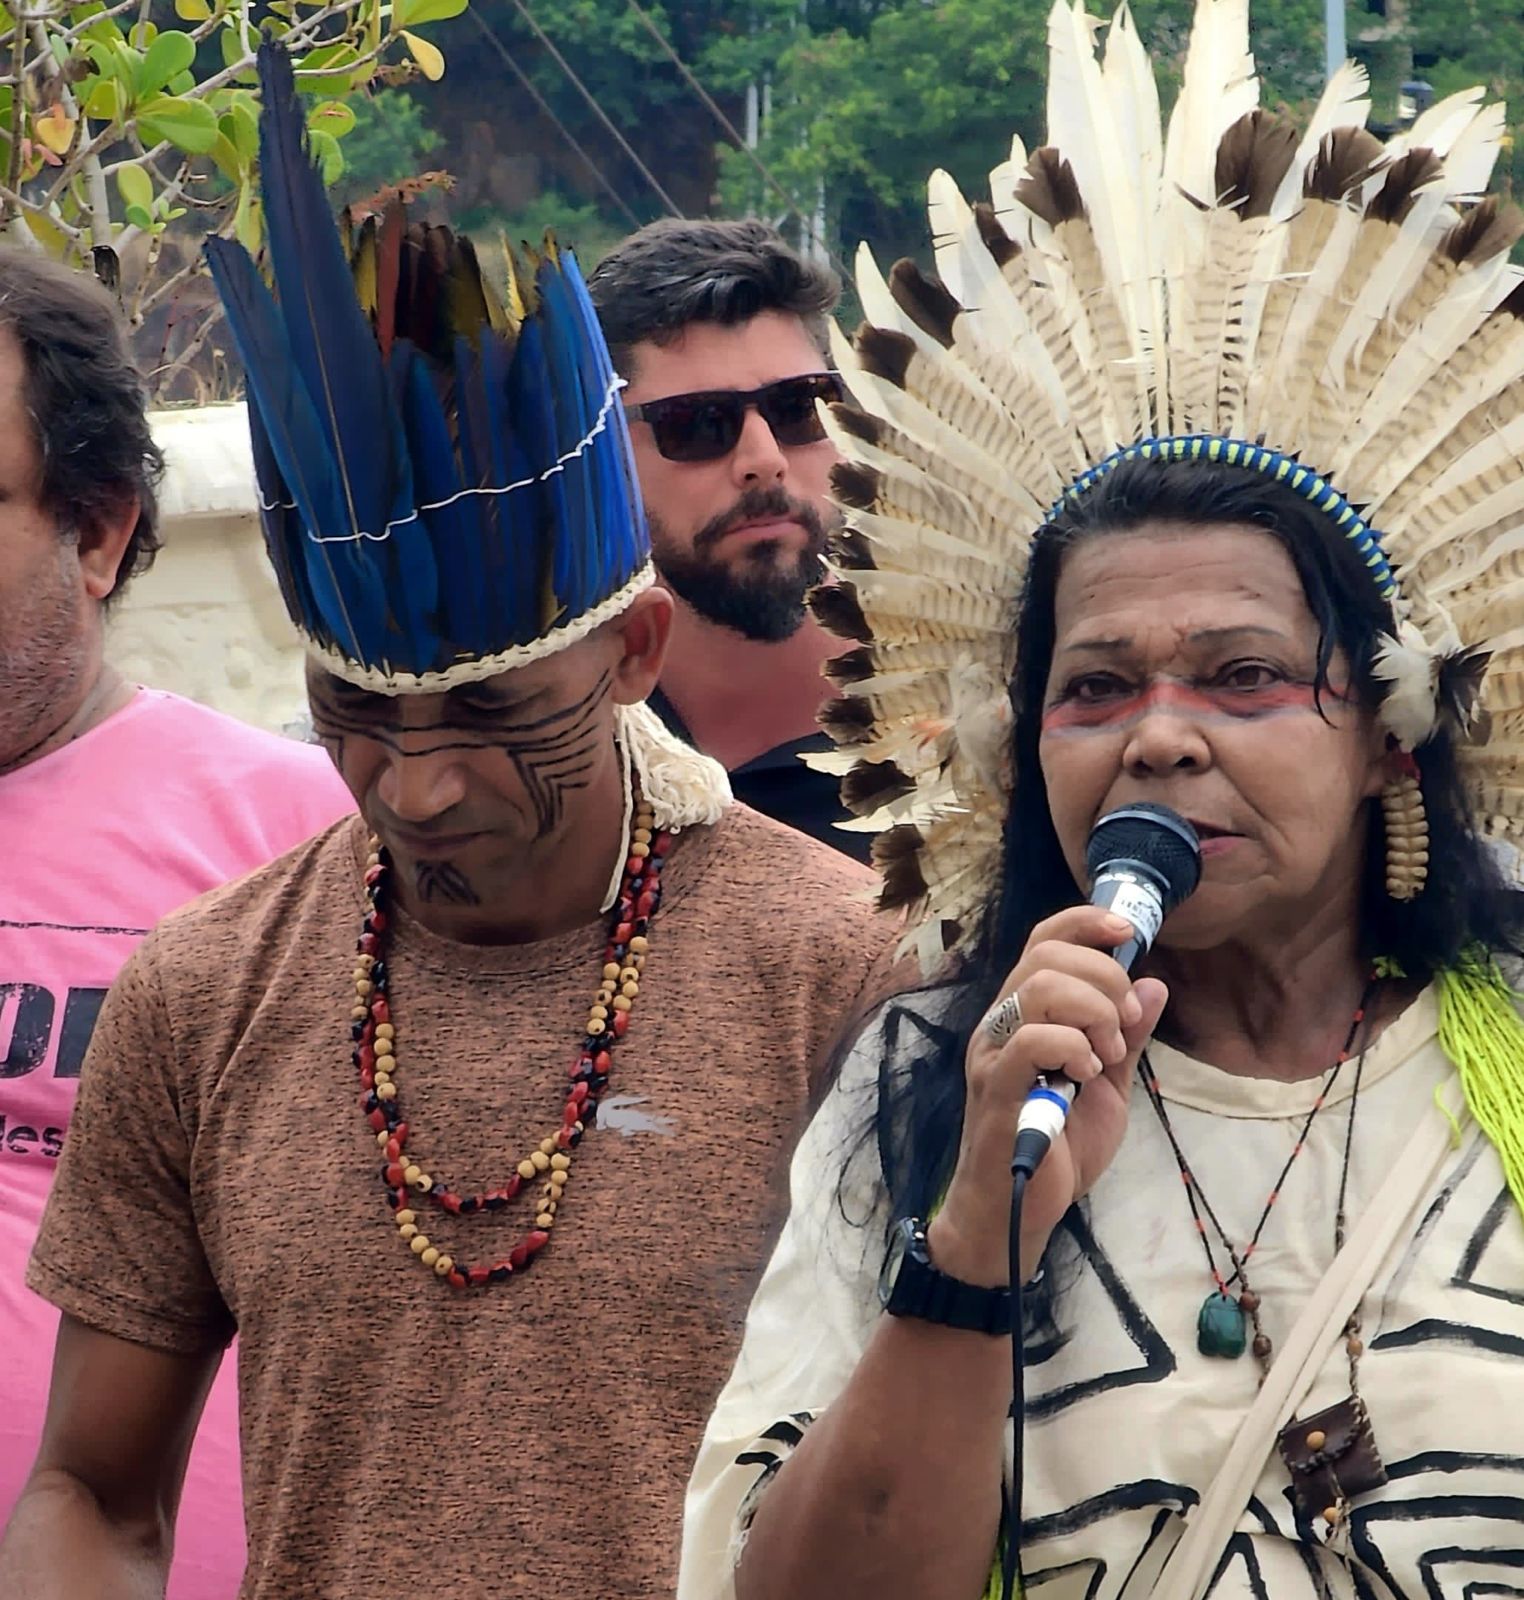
[910, 1286]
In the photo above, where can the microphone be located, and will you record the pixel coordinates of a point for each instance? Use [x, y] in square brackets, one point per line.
[1143, 860]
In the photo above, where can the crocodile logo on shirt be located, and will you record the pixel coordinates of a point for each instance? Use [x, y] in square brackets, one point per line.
[619, 1114]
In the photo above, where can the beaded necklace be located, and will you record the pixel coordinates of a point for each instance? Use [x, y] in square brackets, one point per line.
[1220, 1324]
[1331, 1456]
[408, 1185]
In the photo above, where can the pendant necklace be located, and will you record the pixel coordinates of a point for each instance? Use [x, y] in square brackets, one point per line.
[1331, 1456]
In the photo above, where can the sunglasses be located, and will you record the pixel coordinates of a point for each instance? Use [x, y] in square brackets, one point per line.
[706, 425]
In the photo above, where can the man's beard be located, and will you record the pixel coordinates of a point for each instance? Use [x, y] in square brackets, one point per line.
[756, 597]
[42, 660]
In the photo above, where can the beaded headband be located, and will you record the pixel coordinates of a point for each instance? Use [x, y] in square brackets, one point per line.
[1313, 488]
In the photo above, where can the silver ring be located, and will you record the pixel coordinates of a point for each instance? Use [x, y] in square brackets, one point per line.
[1003, 1018]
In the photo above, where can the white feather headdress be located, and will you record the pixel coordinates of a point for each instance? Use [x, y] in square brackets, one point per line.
[1328, 308]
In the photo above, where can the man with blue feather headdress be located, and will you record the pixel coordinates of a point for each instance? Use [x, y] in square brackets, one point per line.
[552, 1001]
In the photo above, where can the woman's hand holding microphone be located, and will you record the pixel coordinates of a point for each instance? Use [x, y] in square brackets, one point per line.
[1080, 1017]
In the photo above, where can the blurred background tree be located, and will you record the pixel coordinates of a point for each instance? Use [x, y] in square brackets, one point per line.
[128, 134]
[593, 116]
[825, 116]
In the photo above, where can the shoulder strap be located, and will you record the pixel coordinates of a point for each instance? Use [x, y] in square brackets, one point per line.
[1305, 1351]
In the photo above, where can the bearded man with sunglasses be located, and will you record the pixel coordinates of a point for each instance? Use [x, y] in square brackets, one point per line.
[718, 329]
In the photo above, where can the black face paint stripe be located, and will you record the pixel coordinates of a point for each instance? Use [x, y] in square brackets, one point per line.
[443, 880]
[552, 769]
[553, 755]
[338, 718]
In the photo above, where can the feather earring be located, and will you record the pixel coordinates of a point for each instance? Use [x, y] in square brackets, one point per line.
[1407, 833]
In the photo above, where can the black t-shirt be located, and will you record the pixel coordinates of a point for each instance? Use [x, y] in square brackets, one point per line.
[779, 785]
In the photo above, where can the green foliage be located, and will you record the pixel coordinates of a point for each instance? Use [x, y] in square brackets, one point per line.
[585, 229]
[390, 140]
[87, 93]
[868, 95]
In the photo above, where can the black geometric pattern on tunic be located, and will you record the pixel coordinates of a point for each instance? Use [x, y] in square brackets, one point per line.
[1475, 1317]
[1159, 1360]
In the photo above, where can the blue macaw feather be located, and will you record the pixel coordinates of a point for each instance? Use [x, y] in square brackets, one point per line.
[407, 554]
[516, 599]
[459, 620]
[539, 507]
[583, 561]
[350, 603]
[291, 580]
[483, 464]
[370, 424]
[621, 507]
[330, 338]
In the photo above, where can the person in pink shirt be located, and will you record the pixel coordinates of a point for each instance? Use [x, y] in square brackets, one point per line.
[117, 805]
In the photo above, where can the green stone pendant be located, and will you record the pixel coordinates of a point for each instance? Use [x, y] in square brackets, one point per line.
[1221, 1327]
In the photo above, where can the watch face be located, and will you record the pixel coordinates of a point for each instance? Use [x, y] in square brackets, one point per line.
[899, 1242]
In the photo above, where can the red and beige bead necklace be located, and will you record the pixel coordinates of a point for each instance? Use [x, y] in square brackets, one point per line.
[546, 1170]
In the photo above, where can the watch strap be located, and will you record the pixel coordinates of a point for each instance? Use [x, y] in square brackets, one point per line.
[921, 1291]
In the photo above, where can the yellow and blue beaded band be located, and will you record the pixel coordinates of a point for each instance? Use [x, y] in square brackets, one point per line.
[1312, 487]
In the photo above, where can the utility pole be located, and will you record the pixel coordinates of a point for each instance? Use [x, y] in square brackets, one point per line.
[1335, 48]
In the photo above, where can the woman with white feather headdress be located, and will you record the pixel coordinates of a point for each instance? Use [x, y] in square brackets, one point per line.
[1194, 479]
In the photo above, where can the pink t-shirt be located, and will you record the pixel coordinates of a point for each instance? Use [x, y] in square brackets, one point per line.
[99, 840]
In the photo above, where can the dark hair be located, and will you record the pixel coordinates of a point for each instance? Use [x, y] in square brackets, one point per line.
[85, 397]
[1465, 901]
[674, 273]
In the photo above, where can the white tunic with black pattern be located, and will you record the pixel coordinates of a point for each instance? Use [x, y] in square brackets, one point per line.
[1127, 1421]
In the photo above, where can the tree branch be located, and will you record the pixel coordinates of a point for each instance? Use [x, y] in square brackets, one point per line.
[302, 33]
[99, 206]
[165, 375]
[13, 167]
[14, 198]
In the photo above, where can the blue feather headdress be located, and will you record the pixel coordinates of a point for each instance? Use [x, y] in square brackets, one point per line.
[446, 481]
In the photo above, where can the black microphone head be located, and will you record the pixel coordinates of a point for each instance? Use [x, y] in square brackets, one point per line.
[1154, 838]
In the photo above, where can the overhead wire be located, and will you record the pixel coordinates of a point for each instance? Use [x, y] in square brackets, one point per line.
[528, 84]
[597, 110]
[717, 111]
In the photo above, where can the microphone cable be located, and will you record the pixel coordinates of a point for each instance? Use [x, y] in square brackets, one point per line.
[1011, 1584]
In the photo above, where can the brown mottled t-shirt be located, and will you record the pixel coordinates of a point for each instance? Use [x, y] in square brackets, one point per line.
[400, 1436]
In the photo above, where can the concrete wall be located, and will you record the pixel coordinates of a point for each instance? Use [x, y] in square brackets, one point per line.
[207, 621]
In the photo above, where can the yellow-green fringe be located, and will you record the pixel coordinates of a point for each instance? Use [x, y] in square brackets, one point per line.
[995, 1588]
[1480, 1030]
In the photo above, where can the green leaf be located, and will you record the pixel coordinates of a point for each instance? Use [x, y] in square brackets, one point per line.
[249, 221]
[326, 152]
[138, 217]
[192, 10]
[333, 116]
[168, 56]
[52, 238]
[428, 56]
[312, 79]
[142, 35]
[241, 126]
[181, 83]
[229, 163]
[233, 53]
[92, 25]
[105, 100]
[187, 124]
[113, 59]
[409, 13]
[135, 187]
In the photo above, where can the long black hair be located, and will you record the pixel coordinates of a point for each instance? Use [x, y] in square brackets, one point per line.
[1465, 900]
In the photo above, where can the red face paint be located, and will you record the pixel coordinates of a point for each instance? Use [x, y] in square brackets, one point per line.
[1172, 697]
